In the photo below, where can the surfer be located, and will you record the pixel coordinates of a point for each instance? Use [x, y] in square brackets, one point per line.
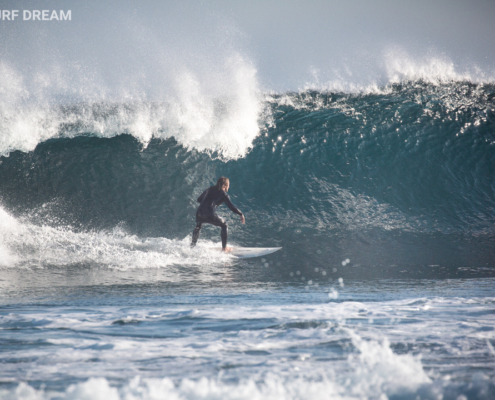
[209, 200]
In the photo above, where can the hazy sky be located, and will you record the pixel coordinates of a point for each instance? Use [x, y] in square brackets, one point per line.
[290, 43]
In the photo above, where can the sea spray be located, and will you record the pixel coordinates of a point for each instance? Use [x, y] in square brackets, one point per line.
[218, 115]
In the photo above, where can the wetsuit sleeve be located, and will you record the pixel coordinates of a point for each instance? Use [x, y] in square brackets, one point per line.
[230, 205]
[200, 198]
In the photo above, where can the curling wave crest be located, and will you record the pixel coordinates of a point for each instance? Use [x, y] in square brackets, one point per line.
[218, 114]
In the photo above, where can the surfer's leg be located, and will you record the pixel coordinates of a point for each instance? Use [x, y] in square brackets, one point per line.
[195, 234]
[224, 236]
[219, 221]
[214, 220]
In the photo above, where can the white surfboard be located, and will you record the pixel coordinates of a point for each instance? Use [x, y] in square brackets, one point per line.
[249, 252]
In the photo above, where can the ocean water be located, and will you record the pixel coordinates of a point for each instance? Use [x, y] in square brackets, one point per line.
[382, 197]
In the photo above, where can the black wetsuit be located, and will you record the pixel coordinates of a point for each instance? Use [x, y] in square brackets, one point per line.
[206, 214]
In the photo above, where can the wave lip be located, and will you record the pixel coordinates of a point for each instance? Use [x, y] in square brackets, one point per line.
[220, 112]
[396, 66]
[217, 114]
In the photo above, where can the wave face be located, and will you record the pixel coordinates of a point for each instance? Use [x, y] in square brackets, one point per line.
[399, 179]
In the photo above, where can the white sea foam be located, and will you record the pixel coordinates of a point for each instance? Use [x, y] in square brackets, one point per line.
[291, 358]
[273, 387]
[380, 370]
[25, 244]
[376, 372]
[8, 225]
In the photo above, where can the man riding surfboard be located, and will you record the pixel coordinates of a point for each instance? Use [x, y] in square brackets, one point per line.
[209, 200]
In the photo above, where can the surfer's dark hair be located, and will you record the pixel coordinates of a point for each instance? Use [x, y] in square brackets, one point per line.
[222, 181]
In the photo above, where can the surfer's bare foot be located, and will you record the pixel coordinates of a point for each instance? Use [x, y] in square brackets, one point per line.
[227, 249]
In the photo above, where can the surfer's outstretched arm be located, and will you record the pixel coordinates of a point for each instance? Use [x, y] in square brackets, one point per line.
[234, 208]
[229, 204]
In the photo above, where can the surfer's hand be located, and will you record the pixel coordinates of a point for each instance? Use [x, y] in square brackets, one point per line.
[243, 220]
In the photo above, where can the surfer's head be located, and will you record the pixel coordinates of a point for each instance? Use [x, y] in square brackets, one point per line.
[223, 183]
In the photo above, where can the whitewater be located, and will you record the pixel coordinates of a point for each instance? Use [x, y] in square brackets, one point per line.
[379, 190]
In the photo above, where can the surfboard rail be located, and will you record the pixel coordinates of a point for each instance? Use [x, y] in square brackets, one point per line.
[250, 252]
